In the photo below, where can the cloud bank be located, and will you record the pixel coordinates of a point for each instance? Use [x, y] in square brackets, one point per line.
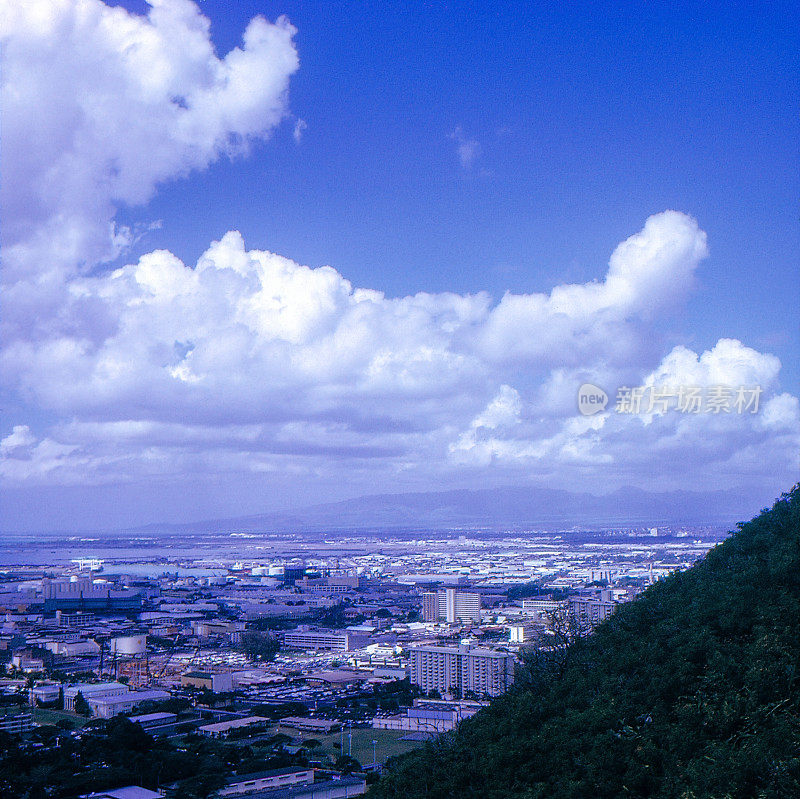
[247, 363]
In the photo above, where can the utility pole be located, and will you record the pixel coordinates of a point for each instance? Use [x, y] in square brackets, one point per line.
[350, 738]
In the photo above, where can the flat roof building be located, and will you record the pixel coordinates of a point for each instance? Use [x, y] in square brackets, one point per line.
[106, 707]
[451, 606]
[223, 728]
[455, 670]
[319, 638]
[267, 780]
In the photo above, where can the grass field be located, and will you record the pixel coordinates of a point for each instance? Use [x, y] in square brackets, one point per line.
[46, 716]
[388, 744]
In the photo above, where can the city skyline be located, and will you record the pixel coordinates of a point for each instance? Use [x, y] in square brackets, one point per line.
[365, 251]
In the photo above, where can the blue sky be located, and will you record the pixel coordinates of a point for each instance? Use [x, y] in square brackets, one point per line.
[439, 148]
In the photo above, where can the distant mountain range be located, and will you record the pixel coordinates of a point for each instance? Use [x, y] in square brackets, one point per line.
[511, 507]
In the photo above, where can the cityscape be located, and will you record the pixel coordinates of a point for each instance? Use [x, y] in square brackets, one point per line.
[332, 654]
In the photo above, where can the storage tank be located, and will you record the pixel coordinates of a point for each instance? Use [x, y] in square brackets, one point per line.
[129, 645]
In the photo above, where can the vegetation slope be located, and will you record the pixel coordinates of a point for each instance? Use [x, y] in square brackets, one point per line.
[690, 691]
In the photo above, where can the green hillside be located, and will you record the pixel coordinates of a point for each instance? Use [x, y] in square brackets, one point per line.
[690, 691]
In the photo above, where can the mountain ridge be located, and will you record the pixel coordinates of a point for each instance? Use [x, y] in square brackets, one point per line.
[509, 506]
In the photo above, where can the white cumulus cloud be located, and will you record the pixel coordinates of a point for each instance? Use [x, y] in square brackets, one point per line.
[101, 105]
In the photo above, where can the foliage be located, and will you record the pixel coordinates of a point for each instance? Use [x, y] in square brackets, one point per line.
[107, 754]
[347, 764]
[280, 710]
[690, 691]
[81, 705]
[524, 590]
[259, 646]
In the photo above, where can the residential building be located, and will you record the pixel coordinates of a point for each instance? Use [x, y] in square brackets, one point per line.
[459, 669]
[452, 606]
[430, 606]
[588, 613]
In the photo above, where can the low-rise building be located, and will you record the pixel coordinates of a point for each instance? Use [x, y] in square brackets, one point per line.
[428, 715]
[16, 723]
[73, 648]
[106, 707]
[44, 694]
[544, 607]
[128, 792]
[222, 729]
[230, 631]
[218, 682]
[305, 637]
[91, 690]
[323, 726]
[152, 721]
[267, 780]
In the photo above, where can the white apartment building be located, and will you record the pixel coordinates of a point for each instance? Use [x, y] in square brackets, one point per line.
[451, 606]
[543, 606]
[458, 669]
[588, 613]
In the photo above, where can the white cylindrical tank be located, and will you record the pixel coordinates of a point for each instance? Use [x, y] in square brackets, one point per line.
[129, 645]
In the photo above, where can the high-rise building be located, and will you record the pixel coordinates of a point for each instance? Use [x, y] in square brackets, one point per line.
[430, 606]
[451, 606]
[459, 669]
[588, 613]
